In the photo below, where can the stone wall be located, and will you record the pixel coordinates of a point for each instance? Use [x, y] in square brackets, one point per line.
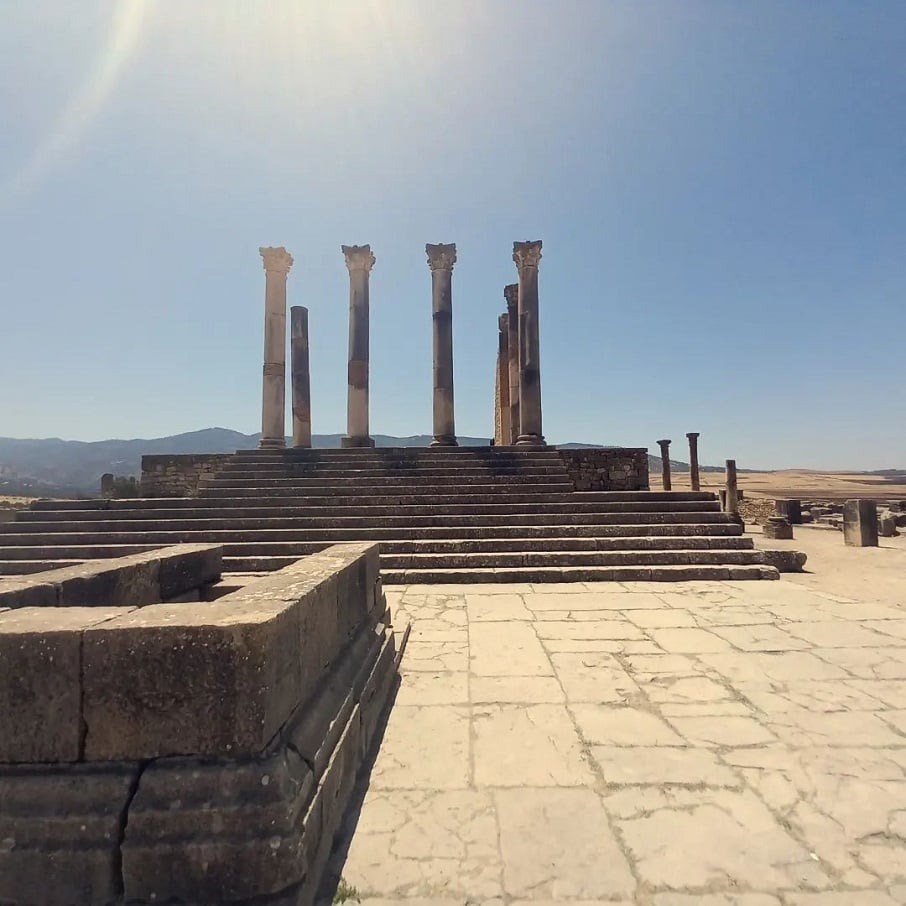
[600, 469]
[190, 753]
[178, 474]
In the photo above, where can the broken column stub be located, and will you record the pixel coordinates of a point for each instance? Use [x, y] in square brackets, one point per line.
[860, 523]
[791, 509]
[777, 528]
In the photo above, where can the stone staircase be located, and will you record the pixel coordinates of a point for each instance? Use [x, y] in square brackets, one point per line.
[452, 515]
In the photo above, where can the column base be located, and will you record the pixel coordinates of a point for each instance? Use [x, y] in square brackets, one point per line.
[272, 443]
[530, 440]
[346, 441]
[444, 440]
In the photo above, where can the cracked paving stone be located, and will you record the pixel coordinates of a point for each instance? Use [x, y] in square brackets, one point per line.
[426, 843]
[688, 641]
[507, 649]
[584, 630]
[715, 899]
[593, 677]
[531, 746]
[601, 600]
[840, 635]
[765, 669]
[760, 638]
[685, 690]
[837, 728]
[436, 656]
[623, 726]
[722, 730]
[423, 688]
[424, 748]
[661, 618]
[557, 844]
[516, 689]
[842, 898]
[662, 764]
[495, 608]
[718, 838]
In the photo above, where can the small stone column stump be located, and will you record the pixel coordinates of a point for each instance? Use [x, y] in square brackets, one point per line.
[665, 463]
[860, 523]
[791, 509]
[777, 528]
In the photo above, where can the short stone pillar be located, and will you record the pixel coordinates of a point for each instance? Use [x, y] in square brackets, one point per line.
[860, 523]
[301, 378]
[441, 259]
[359, 262]
[732, 504]
[778, 529]
[504, 434]
[887, 524]
[527, 256]
[108, 485]
[277, 262]
[665, 463]
[790, 509]
[693, 460]
[511, 294]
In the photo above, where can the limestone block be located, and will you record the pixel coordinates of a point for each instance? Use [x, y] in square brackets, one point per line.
[188, 567]
[65, 823]
[789, 508]
[785, 561]
[777, 528]
[40, 688]
[124, 580]
[887, 524]
[860, 523]
[27, 593]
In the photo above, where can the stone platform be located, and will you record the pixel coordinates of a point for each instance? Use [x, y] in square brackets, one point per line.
[458, 515]
[634, 744]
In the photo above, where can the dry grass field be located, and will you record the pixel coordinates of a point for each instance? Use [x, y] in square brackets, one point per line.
[802, 483]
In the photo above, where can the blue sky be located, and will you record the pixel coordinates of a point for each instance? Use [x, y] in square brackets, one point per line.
[720, 188]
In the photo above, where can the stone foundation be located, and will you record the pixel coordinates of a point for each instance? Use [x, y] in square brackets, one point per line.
[607, 469]
[191, 753]
[178, 474]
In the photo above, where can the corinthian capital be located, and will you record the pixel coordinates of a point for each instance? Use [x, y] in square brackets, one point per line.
[358, 257]
[441, 257]
[276, 260]
[511, 294]
[527, 254]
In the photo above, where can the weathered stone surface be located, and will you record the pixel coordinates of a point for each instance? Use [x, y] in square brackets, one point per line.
[27, 593]
[188, 567]
[785, 561]
[778, 528]
[40, 681]
[622, 469]
[790, 509]
[860, 523]
[59, 833]
[179, 474]
[887, 524]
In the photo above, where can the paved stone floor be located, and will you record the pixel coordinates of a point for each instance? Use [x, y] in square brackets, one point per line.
[697, 744]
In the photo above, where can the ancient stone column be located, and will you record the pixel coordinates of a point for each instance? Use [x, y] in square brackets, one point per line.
[511, 294]
[301, 380]
[693, 460]
[732, 505]
[860, 523]
[441, 259]
[505, 435]
[359, 262]
[277, 262]
[665, 463]
[527, 256]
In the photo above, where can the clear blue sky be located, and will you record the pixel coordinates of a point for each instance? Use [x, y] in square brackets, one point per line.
[720, 188]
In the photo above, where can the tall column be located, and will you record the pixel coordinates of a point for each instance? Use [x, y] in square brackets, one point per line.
[511, 294]
[277, 262]
[527, 256]
[359, 262]
[693, 460]
[441, 259]
[301, 380]
[665, 463]
[505, 435]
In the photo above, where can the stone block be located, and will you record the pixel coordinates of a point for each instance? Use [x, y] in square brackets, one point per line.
[217, 831]
[785, 561]
[65, 826]
[40, 681]
[887, 524]
[27, 593]
[860, 523]
[124, 580]
[791, 509]
[777, 528]
[188, 567]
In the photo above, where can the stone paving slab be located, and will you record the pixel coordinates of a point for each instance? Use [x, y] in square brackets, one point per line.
[636, 744]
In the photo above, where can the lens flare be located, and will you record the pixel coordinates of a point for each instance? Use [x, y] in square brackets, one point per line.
[86, 102]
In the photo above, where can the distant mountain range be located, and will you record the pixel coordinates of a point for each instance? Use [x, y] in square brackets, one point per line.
[53, 466]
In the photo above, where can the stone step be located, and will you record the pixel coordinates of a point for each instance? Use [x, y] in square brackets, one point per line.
[367, 511]
[176, 533]
[505, 497]
[296, 549]
[425, 491]
[359, 453]
[22, 567]
[188, 520]
[436, 484]
[397, 562]
[541, 574]
[254, 477]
